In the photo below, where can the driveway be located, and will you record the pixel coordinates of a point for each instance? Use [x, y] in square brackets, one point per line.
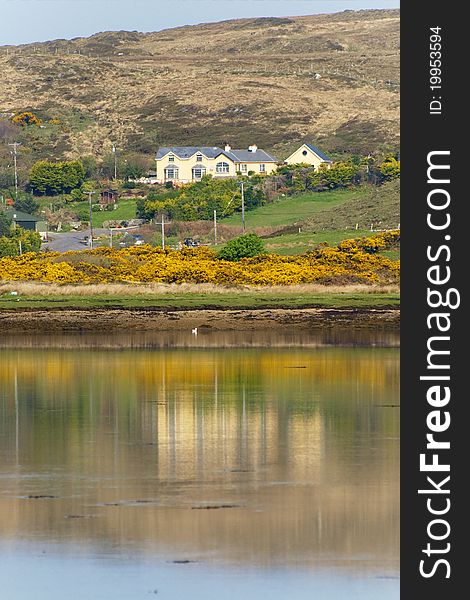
[70, 240]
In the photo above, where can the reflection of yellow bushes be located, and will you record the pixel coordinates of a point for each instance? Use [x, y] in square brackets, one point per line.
[355, 258]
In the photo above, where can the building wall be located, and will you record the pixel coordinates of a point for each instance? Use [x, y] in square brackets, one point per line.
[28, 225]
[185, 166]
[310, 158]
[255, 166]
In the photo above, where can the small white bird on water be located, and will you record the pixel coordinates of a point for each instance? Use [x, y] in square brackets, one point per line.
[194, 331]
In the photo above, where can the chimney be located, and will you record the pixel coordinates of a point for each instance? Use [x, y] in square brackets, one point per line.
[252, 148]
[228, 147]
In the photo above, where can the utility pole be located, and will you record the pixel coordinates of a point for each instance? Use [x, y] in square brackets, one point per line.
[91, 218]
[243, 206]
[115, 162]
[215, 228]
[15, 153]
[163, 233]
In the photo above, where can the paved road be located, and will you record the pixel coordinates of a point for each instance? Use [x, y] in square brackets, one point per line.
[70, 240]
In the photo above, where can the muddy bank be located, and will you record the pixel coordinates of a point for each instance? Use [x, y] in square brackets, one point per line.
[113, 320]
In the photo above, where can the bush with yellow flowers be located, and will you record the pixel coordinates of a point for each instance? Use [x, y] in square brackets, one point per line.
[139, 264]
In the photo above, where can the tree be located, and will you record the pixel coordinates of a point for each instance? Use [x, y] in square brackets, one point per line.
[12, 239]
[90, 166]
[340, 174]
[5, 223]
[56, 178]
[390, 168]
[27, 204]
[245, 246]
[30, 240]
[77, 195]
[7, 178]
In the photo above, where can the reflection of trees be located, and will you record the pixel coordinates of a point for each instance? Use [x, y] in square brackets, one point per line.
[184, 428]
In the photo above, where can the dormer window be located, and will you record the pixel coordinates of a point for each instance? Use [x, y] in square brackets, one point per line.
[199, 157]
[171, 158]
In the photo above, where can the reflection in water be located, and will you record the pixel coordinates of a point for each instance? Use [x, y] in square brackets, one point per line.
[241, 456]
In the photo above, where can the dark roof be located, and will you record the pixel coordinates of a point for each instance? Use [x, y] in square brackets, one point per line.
[248, 156]
[188, 151]
[19, 216]
[319, 153]
[214, 151]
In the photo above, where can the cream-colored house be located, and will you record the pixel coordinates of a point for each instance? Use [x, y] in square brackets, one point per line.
[310, 155]
[185, 164]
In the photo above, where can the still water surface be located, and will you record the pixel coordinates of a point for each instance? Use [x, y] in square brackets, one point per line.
[223, 466]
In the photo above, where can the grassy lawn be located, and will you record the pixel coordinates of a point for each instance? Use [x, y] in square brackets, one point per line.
[299, 243]
[43, 296]
[334, 210]
[124, 212]
[200, 301]
[294, 209]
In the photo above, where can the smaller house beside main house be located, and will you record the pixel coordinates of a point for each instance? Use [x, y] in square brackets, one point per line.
[28, 222]
[310, 155]
[185, 164]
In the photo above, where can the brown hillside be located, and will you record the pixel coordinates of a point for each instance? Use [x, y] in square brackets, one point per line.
[243, 81]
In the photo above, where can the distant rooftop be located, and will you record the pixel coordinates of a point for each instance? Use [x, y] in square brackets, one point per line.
[188, 151]
[242, 155]
[319, 153]
[19, 216]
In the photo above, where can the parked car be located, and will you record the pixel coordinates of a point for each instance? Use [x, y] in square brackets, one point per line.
[131, 239]
[190, 243]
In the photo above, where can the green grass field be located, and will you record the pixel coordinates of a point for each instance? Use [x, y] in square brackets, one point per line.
[294, 209]
[233, 300]
[124, 212]
[299, 243]
[126, 209]
[337, 210]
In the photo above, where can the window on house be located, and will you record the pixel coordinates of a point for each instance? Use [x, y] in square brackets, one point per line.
[222, 167]
[198, 173]
[199, 157]
[171, 159]
[171, 173]
[262, 168]
[244, 168]
[305, 152]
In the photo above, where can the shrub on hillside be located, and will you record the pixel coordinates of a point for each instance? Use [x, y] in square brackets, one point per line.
[17, 238]
[390, 168]
[245, 246]
[26, 118]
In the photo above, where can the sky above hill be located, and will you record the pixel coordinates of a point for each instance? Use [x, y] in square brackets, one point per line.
[25, 21]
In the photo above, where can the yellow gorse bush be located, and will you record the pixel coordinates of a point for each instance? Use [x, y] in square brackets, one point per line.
[352, 260]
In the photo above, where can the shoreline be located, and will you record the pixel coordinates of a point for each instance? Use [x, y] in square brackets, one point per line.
[121, 319]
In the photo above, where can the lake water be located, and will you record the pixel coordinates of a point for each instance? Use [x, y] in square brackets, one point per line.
[220, 466]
